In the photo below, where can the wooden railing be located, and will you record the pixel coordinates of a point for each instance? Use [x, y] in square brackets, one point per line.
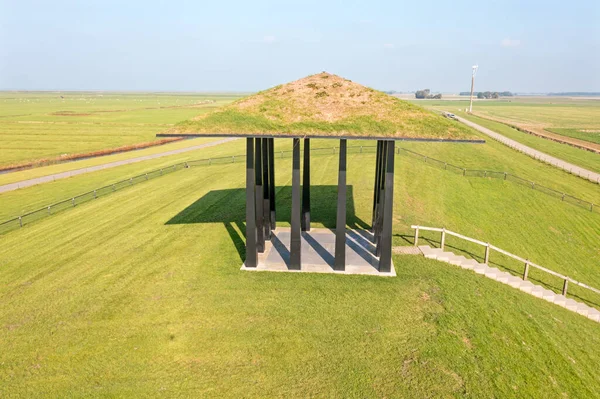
[489, 247]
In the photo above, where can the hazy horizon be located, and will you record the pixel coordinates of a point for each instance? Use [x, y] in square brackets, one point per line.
[233, 46]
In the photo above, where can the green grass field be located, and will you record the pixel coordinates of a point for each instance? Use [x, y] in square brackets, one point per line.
[576, 156]
[561, 115]
[549, 112]
[46, 125]
[591, 135]
[113, 299]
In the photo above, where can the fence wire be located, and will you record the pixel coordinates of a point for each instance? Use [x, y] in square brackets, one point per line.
[508, 177]
[30, 217]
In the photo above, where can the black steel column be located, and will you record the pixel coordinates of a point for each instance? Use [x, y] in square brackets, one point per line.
[376, 185]
[251, 251]
[260, 230]
[296, 233]
[380, 197]
[385, 261]
[381, 203]
[306, 187]
[272, 182]
[340, 222]
[266, 190]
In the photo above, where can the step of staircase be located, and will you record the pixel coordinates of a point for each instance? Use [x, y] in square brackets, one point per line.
[503, 277]
[468, 264]
[493, 273]
[513, 281]
[429, 252]
[480, 268]
[457, 260]
[594, 314]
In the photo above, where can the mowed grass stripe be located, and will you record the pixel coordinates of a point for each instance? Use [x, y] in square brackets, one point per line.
[137, 307]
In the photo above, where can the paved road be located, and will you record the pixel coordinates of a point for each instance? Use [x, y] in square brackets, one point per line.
[64, 175]
[559, 163]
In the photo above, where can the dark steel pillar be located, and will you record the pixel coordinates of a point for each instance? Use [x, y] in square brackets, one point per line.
[266, 189]
[306, 187]
[340, 223]
[381, 204]
[260, 230]
[272, 182]
[385, 261]
[296, 233]
[251, 251]
[376, 185]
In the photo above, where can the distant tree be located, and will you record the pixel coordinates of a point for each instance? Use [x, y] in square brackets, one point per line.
[480, 95]
[437, 96]
[495, 95]
[506, 94]
[422, 93]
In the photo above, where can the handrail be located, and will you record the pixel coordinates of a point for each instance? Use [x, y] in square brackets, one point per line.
[495, 248]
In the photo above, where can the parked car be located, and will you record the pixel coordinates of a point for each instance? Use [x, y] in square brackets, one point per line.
[449, 115]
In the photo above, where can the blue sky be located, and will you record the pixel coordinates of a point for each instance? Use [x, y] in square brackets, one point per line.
[222, 45]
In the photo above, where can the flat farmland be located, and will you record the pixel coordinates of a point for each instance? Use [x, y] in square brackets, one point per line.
[574, 118]
[44, 125]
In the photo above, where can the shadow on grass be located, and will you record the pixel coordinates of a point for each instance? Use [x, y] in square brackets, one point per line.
[229, 207]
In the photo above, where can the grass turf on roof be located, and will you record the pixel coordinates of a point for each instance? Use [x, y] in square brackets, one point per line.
[325, 105]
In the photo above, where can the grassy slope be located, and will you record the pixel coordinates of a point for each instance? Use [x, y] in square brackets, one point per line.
[549, 112]
[593, 137]
[576, 156]
[324, 104]
[40, 125]
[12, 177]
[566, 115]
[109, 299]
[21, 201]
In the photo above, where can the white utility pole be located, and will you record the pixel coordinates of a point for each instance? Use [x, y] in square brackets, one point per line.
[472, 86]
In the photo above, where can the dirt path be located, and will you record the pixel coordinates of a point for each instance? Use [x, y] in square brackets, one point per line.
[559, 163]
[64, 175]
[539, 131]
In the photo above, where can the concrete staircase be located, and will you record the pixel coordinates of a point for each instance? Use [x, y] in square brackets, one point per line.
[509, 279]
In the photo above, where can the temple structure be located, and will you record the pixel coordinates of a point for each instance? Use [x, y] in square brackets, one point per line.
[340, 110]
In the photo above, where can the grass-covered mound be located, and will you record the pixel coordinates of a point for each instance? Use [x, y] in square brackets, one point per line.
[324, 104]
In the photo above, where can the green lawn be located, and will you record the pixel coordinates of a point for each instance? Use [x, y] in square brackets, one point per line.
[548, 111]
[574, 155]
[575, 118]
[44, 125]
[26, 174]
[110, 299]
[592, 135]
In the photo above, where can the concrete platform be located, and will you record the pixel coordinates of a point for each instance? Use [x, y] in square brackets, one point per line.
[318, 253]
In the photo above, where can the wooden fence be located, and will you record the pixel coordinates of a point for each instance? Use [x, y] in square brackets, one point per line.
[489, 247]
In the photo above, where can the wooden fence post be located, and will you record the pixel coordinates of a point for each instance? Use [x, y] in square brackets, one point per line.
[417, 236]
[487, 253]
[443, 240]
[526, 272]
[565, 286]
